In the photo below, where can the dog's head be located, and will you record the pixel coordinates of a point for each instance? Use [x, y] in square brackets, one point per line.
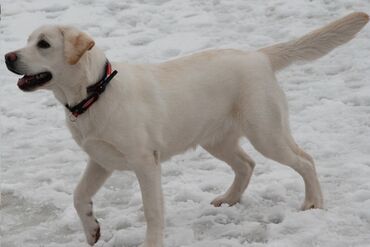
[51, 52]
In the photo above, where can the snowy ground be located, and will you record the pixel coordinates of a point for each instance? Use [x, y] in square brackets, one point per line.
[330, 115]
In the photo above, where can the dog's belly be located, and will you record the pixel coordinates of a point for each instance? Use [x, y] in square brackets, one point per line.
[206, 133]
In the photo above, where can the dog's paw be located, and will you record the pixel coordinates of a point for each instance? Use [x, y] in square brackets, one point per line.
[92, 232]
[218, 201]
[150, 245]
[153, 242]
[312, 204]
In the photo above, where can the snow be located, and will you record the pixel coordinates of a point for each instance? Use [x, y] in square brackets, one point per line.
[330, 117]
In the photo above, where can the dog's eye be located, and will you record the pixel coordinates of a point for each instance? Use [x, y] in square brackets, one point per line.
[43, 44]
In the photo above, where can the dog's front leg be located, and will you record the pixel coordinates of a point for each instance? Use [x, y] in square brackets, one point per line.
[149, 177]
[92, 179]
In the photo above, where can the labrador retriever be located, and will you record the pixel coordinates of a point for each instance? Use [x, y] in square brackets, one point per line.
[144, 114]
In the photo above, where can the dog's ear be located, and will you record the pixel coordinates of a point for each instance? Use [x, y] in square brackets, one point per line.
[76, 43]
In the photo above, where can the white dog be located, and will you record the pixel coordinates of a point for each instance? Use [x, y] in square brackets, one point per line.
[151, 112]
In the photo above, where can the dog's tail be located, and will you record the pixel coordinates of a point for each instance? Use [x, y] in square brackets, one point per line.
[317, 43]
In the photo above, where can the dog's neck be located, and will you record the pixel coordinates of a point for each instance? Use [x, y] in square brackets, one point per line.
[91, 70]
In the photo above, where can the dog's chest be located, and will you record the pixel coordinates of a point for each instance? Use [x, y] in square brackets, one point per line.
[95, 145]
[105, 154]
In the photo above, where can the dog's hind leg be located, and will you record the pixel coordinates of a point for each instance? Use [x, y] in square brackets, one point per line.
[267, 128]
[92, 179]
[229, 151]
[281, 148]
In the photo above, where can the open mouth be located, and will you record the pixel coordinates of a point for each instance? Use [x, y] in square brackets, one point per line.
[31, 82]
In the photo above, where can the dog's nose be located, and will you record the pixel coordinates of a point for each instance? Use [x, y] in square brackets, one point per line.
[11, 62]
[11, 57]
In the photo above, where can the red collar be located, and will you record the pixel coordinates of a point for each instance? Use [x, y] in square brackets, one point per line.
[93, 92]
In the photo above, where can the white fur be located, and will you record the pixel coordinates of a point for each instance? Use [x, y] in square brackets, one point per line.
[151, 112]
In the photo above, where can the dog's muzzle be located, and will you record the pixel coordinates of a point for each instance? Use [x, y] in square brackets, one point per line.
[28, 82]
